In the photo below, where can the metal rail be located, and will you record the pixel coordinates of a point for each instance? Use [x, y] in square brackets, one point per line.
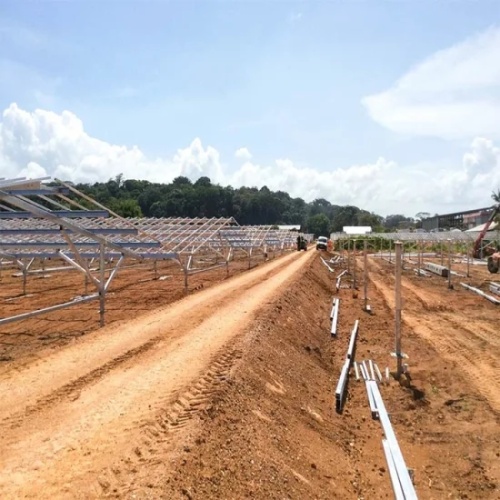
[402, 474]
[480, 292]
[334, 314]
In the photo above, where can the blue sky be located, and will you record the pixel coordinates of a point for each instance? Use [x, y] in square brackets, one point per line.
[293, 82]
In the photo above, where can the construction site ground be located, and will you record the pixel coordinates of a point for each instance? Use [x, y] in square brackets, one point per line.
[229, 392]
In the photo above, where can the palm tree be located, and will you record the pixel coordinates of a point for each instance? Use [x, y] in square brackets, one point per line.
[496, 196]
[496, 199]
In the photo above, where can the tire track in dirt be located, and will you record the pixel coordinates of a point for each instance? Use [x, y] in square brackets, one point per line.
[73, 430]
[476, 354]
[109, 347]
[120, 478]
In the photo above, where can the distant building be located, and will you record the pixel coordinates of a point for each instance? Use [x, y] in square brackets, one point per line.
[458, 220]
[357, 229]
[493, 226]
[293, 227]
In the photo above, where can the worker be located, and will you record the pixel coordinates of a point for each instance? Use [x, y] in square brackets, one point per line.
[299, 241]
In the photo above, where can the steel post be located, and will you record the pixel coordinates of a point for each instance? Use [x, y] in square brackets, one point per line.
[354, 277]
[349, 255]
[365, 278]
[450, 286]
[469, 253]
[102, 290]
[399, 355]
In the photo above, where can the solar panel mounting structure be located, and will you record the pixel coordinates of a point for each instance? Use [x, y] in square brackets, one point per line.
[29, 230]
[202, 239]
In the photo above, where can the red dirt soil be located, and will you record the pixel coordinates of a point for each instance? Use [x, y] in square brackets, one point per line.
[247, 410]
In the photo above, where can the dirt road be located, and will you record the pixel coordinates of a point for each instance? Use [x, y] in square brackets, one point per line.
[67, 419]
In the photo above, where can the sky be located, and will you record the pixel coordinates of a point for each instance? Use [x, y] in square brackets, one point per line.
[389, 105]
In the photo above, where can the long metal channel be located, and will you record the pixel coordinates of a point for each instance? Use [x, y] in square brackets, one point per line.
[49, 270]
[393, 473]
[67, 214]
[90, 255]
[333, 330]
[79, 244]
[333, 308]
[399, 462]
[437, 269]
[352, 343]
[480, 292]
[371, 399]
[326, 264]
[367, 371]
[197, 271]
[54, 231]
[46, 310]
[372, 372]
[341, 385]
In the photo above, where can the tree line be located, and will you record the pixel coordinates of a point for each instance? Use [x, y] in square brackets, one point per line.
[248, 205]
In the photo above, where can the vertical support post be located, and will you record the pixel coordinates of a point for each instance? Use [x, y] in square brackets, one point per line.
[349, 255]
[365, 278]
[419, 249]
[469, 252]
[399, 355]
[250, 258]
[390, 250]
[25, 277]
[155, 268]
[186, 274]
[442, 254]
[354, 265]
[102, 291]
[86, 284]
[450, 286]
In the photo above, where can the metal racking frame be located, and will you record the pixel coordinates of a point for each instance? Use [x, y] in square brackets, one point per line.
[40, 222]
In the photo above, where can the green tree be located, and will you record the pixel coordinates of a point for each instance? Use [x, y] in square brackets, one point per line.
[319, 225]
[496, 198]
[128, 208]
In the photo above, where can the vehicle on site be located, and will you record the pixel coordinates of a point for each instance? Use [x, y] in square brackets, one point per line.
[322, 243]
[301, 243]
[494, 257]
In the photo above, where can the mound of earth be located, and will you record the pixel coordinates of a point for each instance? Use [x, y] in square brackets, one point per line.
[230, 394]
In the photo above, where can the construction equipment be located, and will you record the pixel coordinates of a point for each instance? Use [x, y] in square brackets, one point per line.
[494, 263]
[301, 243]
[494, 258]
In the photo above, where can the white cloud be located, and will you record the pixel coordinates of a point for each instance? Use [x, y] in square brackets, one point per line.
[59, 144]
[243, 154]
[453, 94]
[40, 143]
